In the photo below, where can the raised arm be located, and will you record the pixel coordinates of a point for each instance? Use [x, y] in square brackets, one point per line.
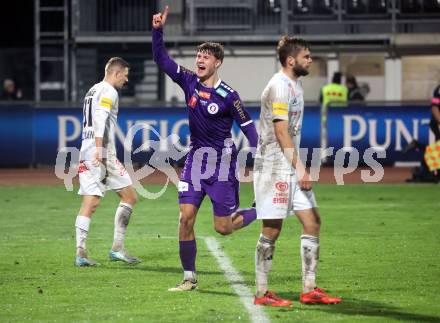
[160, 54]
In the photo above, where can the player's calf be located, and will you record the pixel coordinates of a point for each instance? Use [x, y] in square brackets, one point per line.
[243, 217]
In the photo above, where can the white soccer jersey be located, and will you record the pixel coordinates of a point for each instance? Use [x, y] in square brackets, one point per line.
[100, 115]
[282, 99]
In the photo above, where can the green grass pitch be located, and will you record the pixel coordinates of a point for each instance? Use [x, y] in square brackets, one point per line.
[380, 251]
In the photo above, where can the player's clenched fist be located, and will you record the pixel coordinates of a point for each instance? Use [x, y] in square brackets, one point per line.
[159, 19]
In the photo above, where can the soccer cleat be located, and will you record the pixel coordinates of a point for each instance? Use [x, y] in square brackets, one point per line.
[85, 262]
[318, 296]
[184, 286]
[270, 299]
[123, 256]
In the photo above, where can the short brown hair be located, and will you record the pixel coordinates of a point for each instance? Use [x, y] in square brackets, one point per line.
[215, 49]
[116, 62]
[290, 46]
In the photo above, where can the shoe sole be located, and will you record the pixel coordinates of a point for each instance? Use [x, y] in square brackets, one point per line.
[124, 260]
[127, 262]
[86, 265]
[273, 305]
[178, 290]
[318, 303]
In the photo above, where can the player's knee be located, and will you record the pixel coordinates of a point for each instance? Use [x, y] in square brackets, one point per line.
[133, 198]
[89, 207]
[312, 228]
[129, 197]
[186, 220]
[223, 230]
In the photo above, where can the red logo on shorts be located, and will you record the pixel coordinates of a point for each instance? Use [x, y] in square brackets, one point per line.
[121, 168]
[282, 186]
[82, 167]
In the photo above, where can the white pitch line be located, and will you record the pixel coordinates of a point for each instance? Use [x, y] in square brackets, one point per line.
[236, 280]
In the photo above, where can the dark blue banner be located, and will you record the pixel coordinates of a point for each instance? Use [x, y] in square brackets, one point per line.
[35, 135]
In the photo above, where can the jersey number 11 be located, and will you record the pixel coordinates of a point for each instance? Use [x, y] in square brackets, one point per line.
[87, 112]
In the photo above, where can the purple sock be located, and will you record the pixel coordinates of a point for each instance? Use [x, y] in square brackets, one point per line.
[249, 215]
[188, 251]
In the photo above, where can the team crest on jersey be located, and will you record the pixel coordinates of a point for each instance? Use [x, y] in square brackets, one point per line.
[212, 108]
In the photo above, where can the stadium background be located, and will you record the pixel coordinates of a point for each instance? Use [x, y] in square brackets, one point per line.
[56, 49]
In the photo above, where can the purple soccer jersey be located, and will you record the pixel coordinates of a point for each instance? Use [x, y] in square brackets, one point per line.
[211, 113]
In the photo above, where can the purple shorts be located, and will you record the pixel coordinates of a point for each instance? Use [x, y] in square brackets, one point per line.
[224, 193]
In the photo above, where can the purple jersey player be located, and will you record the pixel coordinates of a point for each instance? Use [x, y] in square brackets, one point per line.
[210, 165]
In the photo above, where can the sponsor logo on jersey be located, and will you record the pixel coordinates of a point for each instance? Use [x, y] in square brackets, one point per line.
[221, 92]
[185, 70]
[205, 95]
[212, 108]
[203, 102]
[237, 105]
[227, 87]
[281, 186]
[192, 102]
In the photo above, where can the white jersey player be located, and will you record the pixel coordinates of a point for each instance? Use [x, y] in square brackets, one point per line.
[282, 185]
[99, 168]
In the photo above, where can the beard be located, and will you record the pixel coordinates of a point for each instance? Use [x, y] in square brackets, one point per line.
[300, 71]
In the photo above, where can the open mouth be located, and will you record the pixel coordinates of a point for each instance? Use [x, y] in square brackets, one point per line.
[201, 67]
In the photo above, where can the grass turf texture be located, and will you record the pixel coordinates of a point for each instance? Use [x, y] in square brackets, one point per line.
[379, 251]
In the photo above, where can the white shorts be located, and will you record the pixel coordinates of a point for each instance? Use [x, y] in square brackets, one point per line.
[96, 180]
[278, 195]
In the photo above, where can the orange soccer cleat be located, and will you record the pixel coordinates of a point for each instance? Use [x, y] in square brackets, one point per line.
[318, 296]
[270, 299]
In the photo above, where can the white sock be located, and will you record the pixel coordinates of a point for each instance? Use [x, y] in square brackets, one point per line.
[263, 263]
[189, 275]
[309, 258]
[82, 225]
[122, 217]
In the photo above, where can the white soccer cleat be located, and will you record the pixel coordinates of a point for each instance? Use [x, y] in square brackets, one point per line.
[85, 262]
[184, 286]
[123, 256]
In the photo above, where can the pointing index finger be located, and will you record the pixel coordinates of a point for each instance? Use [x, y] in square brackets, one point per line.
[165, 12]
